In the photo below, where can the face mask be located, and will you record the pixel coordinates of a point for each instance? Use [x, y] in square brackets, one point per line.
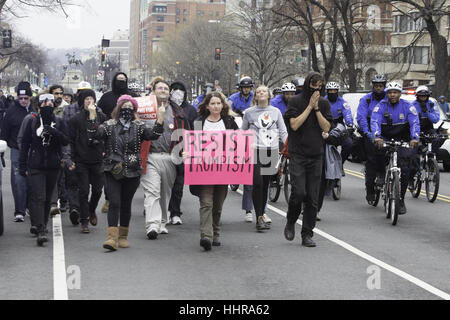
[127, 114]
[312, 90]
[333, 97]
[177, 97]
[46, 115]
[121, 85]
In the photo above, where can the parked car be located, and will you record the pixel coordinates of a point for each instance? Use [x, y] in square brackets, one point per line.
[444, 152]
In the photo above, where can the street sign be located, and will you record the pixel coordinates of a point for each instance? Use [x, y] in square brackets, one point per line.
[101, 75]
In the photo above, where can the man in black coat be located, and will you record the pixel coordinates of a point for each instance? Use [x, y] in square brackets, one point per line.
[178, 95]
[10, 129]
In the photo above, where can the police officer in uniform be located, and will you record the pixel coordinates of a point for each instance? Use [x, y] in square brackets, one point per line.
[240, 101]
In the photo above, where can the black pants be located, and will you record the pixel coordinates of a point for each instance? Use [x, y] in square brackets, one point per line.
[60, 191]
[376, 163]
[322, 189]
[89, 175]
[177, 193]
[72, 189]
[42, 183]
[263, 170]
[305, 174]
[346, 151]
[120, 193]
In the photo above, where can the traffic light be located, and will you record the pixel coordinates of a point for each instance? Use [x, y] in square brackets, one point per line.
[103, 55]
[7, 39]
[236, 64]
[218, 53]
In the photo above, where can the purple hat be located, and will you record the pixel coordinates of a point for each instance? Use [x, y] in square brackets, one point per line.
[127, 97]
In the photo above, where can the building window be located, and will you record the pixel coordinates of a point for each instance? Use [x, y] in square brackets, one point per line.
[211, 1]
[210, 13]
[178, 11]
[160, 18]
[185, 11]
[421, 55]
[178, 20]
[184, 19]
[159, 9]
[160, 28]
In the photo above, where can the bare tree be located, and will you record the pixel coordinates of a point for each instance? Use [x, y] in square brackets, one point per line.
[17, 8]
[432, 11]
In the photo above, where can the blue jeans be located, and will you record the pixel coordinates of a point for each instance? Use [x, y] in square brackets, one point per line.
[247, 199]
[18, 184]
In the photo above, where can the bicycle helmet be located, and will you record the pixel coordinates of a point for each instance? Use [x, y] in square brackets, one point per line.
[299, 82]
[246, 82]
[393, 86]
[332, 86]
[277, 90]
[423, 91]
[288, 87]
[379, 78]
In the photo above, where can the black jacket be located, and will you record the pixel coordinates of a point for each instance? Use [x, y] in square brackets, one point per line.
[11, 124]
[124, 145]
[108, 101]
[85, 149]
[306, 141]
[33, 154]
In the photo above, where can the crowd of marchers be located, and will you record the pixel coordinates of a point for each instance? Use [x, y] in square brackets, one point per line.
[67, 149]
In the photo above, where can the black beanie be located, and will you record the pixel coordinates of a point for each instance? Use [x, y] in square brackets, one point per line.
[83, 94]
[24, 88]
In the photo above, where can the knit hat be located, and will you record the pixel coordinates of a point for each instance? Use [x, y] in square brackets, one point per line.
[126, 97]
[84, 94]
[24, 88]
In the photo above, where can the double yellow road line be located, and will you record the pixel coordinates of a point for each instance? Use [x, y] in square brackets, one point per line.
[422, 193]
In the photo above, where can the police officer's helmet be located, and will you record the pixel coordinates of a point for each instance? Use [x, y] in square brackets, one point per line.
[299, 82]
[379, 78]
[332, 86]
[423, 91]
[277, 90]
[246, 82]
[393, 86]
[288, 87]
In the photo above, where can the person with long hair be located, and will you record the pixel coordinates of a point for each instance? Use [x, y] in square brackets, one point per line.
[268, 124]
[214, 115]
[122, 135]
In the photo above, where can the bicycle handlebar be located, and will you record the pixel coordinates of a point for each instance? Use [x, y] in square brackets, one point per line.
[393, 143]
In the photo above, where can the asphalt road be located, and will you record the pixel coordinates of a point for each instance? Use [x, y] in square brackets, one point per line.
[413, 257]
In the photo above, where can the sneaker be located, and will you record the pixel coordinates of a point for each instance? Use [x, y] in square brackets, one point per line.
[176, 220]
[163, 230]
[152, 234]
[54, 211]
[370, 197]
[261, 225]
[216, 243]
[307, 241]
[34, 230]
[267, 218]
[248, 216]
[205, 243]
[74, 217]
[19, 218]
[402, 209]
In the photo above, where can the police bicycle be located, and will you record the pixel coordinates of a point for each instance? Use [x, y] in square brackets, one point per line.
[390, 191]
[278, 180]
[428, 172]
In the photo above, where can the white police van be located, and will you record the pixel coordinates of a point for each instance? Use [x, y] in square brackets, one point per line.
[444, 152]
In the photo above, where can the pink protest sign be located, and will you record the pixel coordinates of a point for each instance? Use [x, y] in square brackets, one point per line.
[218, 157]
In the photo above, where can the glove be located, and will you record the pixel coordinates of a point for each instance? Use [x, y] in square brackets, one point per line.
[369, 135]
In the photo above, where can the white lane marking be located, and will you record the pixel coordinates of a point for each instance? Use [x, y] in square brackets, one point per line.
[384, 265]
[59, 261]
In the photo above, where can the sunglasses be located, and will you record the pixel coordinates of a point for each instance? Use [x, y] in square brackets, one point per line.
[58, 93]
[24, 98]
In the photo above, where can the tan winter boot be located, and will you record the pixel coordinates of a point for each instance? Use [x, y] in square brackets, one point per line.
[113, 237]
[123, 234]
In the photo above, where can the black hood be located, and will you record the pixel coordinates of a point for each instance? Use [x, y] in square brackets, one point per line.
[181, 85]
[306, 94]
[113, 84]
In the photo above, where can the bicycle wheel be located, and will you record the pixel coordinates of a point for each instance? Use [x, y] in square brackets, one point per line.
[386, 197]
[274, 188]
[432, 179]
[287, 187]
[415, 185]
[337, 190]
[394, 200]
[234, 187]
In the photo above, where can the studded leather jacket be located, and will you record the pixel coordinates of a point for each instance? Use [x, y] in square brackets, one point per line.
[124, 145]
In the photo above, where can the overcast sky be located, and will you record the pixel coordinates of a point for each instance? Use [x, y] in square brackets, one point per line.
[84, 28]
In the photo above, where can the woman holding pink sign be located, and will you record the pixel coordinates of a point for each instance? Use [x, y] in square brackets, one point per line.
[214, 116]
